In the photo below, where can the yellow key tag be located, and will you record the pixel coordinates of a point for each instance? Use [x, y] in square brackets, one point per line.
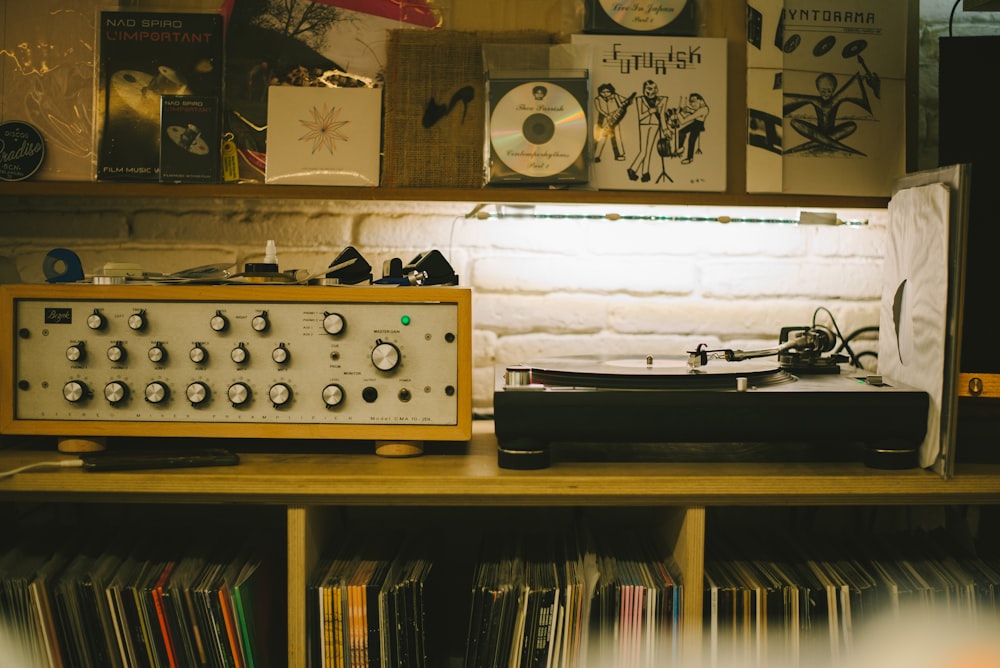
[230, 163]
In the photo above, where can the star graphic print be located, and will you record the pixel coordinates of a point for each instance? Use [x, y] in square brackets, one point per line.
[324, 128]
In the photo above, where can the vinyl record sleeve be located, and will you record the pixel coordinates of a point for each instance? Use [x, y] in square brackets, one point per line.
[324, 136]
[826, 96]
[142, 56]
[658, 112]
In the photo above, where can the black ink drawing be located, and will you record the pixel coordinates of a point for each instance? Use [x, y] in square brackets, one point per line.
[611, 108]
[823, 126]
[435, 111]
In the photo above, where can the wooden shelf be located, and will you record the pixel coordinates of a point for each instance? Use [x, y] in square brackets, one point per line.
[479, 196]
[469, 475]
[309, 479]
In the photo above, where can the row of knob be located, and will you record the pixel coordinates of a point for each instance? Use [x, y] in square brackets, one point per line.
[333, 323]
[198, 393]
[385, 355]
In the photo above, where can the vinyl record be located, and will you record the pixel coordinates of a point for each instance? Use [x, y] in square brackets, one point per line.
[653, 372]
[643, 16]
[538, 129]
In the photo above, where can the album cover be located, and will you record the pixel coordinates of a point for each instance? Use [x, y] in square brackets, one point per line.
[826, 101]
[189, 139]
[142, 56]
[342, 43]
[537, 130]
[324, 136]
[658, 112]
[641, 17]
[47, 80]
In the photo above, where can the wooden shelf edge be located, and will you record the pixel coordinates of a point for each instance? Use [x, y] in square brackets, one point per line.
[476, 195]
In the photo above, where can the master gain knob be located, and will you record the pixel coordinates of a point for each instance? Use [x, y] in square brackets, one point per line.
[385, 355]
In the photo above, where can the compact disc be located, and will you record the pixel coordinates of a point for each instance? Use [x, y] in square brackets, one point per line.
[538, 129]
[643, 15]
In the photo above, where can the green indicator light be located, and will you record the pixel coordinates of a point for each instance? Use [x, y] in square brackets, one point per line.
[405, 320]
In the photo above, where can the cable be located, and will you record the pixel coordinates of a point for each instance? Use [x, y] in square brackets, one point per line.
[951, 16]
[61, 464]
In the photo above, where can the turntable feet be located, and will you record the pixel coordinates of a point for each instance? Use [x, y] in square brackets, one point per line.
[523, 454]
[891, 454]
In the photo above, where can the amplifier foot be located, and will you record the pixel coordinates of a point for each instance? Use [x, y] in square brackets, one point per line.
[72, 445]
[399, 448]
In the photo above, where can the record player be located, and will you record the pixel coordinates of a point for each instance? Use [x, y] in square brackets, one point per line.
[807, 394]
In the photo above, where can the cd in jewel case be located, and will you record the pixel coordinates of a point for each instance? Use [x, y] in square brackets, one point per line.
[537, 130]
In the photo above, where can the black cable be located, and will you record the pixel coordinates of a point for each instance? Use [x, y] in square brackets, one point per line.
[951, 16]
[845, 345]
[836, 328]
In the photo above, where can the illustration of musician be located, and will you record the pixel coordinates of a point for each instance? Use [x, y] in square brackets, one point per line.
[611, 108]
[690, 123]
[651, 109]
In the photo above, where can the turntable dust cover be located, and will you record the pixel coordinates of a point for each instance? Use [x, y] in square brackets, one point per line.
[658, 110]
[141, 57]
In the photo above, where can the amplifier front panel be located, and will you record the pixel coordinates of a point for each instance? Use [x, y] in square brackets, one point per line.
[379, 364]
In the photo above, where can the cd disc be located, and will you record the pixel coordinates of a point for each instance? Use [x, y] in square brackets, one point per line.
[538, 129]
[643, 15]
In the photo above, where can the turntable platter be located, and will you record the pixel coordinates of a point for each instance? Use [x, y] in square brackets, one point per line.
[668, 372]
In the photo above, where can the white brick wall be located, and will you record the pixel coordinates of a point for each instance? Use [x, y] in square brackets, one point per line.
[541, 287]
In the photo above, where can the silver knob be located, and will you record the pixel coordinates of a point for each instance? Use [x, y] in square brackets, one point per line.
[218, 322]
[239, 354]
[198, 354]
[116, 392]
[259, 322]
[280, 394]
[96, 320]
[157, 353]
[116, 353]
[280, 355]
[76, 352]
[385, 356]
[333, 323]
[239, 394]
[157, 392]
[75, 391]
[333, 395]
[197, 393]
[137, 321]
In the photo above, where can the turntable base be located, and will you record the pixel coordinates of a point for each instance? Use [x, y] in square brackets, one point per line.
[596, 401]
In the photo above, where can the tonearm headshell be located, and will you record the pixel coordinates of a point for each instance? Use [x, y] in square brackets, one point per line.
[799, 350]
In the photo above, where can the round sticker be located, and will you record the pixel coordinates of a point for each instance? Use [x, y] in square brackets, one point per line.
[22, 150]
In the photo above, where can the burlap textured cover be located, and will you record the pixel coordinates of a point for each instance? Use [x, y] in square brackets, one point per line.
[443, 68]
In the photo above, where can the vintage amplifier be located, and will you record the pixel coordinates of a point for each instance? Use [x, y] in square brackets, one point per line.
[390, 364]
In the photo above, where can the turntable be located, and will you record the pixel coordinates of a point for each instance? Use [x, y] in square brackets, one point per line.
[709, 396]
